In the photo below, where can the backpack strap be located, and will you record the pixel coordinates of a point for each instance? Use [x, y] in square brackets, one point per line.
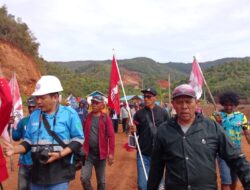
[105, 124]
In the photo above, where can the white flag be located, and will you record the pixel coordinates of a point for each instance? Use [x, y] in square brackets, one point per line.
[196, 78]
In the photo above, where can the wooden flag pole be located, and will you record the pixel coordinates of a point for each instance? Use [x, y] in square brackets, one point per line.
[208, 89]
[130, 117]
[11, 125]
[169, 90]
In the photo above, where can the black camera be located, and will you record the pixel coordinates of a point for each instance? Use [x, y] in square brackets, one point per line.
[80, 158]
[43, 154]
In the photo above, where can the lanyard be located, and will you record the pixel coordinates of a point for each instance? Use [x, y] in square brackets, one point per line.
[42, 114]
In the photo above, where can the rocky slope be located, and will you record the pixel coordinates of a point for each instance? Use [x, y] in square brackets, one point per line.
[12, 59]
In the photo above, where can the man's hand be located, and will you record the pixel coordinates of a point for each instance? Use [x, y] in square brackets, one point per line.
[12, 120]
[217, 117]
[110, 159]
[8, 148]
[53, 156]
[132, 128]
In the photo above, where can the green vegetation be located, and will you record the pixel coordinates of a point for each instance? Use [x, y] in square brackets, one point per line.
[233, 76]
[220, 75]
[82, 84]
[149, 70]
[17, 33]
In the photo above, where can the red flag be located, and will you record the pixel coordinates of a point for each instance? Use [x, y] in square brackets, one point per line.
[114, 94]
[196, 78]
[17, 109]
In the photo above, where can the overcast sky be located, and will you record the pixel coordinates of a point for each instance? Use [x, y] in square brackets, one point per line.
[164, 30]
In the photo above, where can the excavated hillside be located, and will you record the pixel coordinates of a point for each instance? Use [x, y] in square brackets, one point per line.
[12, 59]
[132, 78]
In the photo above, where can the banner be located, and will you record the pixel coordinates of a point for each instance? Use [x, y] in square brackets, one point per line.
[17, 109]
[114, 94]
[196, 78]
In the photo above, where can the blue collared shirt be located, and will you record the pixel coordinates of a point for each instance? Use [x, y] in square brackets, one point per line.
[68, 128]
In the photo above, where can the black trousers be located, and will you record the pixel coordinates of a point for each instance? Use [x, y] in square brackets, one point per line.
[125, 125]
[115, 125]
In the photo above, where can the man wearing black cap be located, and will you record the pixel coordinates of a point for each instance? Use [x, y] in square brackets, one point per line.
[147, 120]
[187, 146]
[25, 160]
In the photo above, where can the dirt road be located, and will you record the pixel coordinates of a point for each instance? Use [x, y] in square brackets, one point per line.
[122, 175]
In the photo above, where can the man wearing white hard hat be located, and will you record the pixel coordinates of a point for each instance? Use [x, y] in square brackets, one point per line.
[53, 165]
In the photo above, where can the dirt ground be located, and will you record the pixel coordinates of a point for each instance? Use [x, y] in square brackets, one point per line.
[121, 175]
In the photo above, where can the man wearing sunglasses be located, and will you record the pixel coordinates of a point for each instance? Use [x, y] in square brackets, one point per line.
[146, 121]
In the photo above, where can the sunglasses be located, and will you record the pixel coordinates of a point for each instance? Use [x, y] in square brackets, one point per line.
[147, 96]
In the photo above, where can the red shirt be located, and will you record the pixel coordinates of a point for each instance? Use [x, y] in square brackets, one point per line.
[106, 135]
[5, 110]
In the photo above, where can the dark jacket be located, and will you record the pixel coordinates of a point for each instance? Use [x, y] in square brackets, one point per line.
[146, 137]
[190, 158]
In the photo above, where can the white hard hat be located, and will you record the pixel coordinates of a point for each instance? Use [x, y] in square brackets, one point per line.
[47, 84]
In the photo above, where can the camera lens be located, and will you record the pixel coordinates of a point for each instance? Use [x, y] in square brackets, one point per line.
[43, 157]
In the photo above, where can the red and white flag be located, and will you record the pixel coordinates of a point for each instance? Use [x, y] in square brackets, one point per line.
[17, 109]
[196, 78]
[114, 93]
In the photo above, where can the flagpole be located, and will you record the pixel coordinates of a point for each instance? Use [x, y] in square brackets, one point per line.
[11, 127]
[169, 89]
[130, 117]
[209, 92]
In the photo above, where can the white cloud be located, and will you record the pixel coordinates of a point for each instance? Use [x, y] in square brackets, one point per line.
[163, 30]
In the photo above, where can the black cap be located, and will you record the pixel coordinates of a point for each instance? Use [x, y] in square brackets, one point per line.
[150, 90]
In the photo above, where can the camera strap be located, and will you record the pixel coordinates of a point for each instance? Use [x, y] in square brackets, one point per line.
[52, 133]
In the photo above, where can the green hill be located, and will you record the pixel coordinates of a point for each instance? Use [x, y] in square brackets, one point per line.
[233, 76]
[144, 66]
[186, 67]
[221, 75]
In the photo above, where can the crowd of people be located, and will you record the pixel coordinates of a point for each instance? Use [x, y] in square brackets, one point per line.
[174, 151]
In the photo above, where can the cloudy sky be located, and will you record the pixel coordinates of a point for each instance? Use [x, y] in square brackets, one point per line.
[164, 30]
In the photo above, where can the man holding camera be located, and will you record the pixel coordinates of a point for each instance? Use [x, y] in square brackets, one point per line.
[53, 165]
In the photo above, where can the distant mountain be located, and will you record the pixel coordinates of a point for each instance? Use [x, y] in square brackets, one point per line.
[146, 69]
[146, 66]
[186, 67]
[222, 74]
